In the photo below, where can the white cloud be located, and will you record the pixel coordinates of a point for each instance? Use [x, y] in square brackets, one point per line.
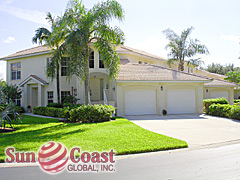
[230, 37]
[29, 15]
[9, 40]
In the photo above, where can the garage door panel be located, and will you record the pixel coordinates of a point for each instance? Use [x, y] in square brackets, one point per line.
[181, 101]
[140, 102]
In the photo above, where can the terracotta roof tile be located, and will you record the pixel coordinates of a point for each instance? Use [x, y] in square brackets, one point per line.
[219, 82]
[147, 72]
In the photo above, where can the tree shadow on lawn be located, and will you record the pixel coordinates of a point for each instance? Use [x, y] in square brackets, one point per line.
[43, 135]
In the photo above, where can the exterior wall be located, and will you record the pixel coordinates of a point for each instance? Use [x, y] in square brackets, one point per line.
[236, 93]
[36, 65]
[161, 95]
[229, 90]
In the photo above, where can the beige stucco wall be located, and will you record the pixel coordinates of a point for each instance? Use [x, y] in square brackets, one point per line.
[161, 95]
[229, 90]
[36, 65]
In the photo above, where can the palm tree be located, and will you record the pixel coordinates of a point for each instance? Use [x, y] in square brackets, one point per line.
[182, 47]
[87, 27]
[52, 38]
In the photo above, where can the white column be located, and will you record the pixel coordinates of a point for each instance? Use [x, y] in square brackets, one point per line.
[40, 95]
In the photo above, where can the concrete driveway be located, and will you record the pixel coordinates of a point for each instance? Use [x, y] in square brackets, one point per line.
[196, 130]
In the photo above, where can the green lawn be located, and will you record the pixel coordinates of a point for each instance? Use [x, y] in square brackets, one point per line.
[121, 135]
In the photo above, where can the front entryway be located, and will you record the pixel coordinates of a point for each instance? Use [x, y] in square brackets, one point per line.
[96, 89]
[34, 97]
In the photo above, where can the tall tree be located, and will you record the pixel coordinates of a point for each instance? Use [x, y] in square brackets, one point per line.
[219, 68]
[90, 27]
[52, 38]
[233, 76]
[183, 47]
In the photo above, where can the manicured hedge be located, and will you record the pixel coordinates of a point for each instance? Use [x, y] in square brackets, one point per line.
[84, 114]
[52, 112]
[55, 105]
[20, 109]
[92, 113]
[209, 102]
[225, 110]
[236, 100]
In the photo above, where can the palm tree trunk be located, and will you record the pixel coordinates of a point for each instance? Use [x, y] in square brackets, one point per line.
[86, 82]
[58, 85]
[181, 66]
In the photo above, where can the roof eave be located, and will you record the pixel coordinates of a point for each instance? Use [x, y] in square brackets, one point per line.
[24, 56]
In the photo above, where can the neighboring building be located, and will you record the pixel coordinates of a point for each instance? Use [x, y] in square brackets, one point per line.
[145, 85]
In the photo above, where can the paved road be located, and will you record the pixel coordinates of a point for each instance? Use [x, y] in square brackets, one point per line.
[196, 130]
[210, 164]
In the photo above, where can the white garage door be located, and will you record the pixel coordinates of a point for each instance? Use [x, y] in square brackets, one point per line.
[181, 101]
[219, 94]
[140, 102]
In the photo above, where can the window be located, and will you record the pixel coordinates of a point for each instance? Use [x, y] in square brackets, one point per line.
[139, 62]
[50, 97]
[16, 71]
[18, 102]
[91, 60]
[48, 62]
[101, 64]
[64, 94]
[64, 66]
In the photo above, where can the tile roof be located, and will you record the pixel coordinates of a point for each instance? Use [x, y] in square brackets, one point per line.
[30, 51]
[34, 77]
[46, 49]
[219, 82]
[147, 72]
[214, 74]
[122, 49]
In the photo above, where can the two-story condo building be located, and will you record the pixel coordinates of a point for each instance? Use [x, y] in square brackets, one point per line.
[145, 85]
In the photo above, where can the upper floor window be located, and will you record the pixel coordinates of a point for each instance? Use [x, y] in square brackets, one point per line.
[64, 66]
[101, 64]
[91, 60]
[15, 71]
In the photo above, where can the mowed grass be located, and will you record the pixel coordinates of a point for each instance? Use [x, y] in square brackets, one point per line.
[121, 135]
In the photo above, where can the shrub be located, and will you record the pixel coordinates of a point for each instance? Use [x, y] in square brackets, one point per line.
[209, 102]
[20, 109]
[225, 110]
[71, 106]
[55, 105]
[92, 113]
[236, 100]
[52, 112]
[235, 112]
[222, 110]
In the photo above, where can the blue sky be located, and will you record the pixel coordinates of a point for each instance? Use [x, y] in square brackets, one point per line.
[216, 23]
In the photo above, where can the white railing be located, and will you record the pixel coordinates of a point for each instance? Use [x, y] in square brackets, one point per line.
[89, 100]
[105, 97]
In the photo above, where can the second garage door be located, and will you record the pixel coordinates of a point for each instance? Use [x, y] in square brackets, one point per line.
[181, 101]
[140, 102]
